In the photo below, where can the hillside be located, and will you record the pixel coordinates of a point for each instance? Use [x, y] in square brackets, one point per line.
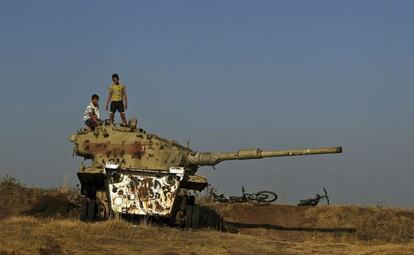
[44, 221]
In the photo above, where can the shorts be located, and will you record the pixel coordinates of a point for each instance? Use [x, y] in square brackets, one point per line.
[90, 123]
[117, 106]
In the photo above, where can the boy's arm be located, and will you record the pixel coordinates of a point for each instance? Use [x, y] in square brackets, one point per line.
[125, 99]
[93, 117]
[108, 99]
[91, 113]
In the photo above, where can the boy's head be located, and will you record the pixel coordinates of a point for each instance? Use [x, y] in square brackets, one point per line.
[115, 78]
[95, 99]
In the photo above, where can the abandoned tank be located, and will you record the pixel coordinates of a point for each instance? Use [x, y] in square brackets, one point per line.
[136, 173]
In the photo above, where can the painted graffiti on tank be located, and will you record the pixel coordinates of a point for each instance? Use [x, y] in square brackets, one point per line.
[144, 193]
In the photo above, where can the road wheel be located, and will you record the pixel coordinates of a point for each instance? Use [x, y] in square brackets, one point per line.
[102, 210]
[188, 216]
[91, 210]
[209, 218]
[195, 224]
[84, 209]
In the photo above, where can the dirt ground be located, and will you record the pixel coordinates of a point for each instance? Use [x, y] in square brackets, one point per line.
[45, 221]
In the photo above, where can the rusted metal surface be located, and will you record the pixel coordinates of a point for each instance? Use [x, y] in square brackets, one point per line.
[136, 150]
[133, 148]
[143, 193]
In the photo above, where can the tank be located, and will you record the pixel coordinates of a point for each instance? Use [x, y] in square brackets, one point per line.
[136, 173]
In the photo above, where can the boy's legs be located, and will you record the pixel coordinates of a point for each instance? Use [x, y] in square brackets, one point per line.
[90, 124]
[121, 110]
[112, 111]
[117, 106]
[111, 116]
[124, 121]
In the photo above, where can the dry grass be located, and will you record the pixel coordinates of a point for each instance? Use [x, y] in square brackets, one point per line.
[17, 199]
[29, 235]
[371, 223]
[42, 221]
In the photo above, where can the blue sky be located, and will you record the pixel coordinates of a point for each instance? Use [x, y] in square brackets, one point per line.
[223, 75]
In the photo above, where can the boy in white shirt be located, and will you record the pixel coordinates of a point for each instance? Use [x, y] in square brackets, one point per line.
[92, 115]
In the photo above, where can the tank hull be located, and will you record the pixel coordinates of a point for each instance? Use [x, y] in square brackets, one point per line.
[116, 192]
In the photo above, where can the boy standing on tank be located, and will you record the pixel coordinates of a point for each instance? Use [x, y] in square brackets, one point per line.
[118, 98]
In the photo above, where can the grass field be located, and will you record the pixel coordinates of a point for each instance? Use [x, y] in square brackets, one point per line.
[44, 221]
[29, 235]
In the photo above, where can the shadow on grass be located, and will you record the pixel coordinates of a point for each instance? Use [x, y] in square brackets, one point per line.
[303, 229]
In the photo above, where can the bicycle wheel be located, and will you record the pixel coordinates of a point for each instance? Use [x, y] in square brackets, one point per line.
[326, 195]
[263, 197]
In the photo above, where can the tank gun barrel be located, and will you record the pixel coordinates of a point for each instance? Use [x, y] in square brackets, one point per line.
[213, 158]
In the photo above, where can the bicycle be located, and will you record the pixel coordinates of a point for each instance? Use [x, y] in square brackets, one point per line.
[260, 198]
[219, 198]
[314, 201]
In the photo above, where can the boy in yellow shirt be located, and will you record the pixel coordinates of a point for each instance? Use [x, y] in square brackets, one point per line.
[118, 98]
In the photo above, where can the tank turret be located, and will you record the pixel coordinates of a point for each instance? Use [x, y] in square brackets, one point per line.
[133, 172]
